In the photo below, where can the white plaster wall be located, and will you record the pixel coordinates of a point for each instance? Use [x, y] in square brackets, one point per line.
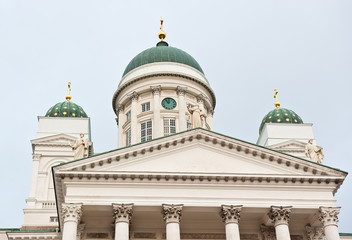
[274, 133]
[48, 126]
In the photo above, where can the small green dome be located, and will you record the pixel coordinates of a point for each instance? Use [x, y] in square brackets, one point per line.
[280, 115]
[162, 53]
[66, 109]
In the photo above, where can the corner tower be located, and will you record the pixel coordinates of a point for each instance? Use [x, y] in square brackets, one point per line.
[162, 90]
[57, 132]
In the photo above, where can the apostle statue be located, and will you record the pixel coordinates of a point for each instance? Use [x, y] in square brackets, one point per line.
[197, 116]
[314, 153]
[81, 147]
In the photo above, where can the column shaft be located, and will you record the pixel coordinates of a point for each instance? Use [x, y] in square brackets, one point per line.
[182, 109]
[122, 214]
[33, 189]
[134, 130]
[232, 231]
[329, 219]
[282, 232]
[121, 231]
[173, 231]
[280, 216]
[172, 215]
[71, 214]
[121, 142]
[157, 126]
[70, 230]
[231, 216]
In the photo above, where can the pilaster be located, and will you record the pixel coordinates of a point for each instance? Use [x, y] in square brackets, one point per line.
[134, 98]
[157, 126]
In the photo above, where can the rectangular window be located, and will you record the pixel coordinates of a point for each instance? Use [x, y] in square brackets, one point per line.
[169, 126]
[146, 131]
[128, 115]
[146, 107]
[53, 219]
[128, 137]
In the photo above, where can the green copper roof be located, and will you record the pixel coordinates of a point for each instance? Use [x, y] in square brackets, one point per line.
[66, 109]
[162, 53]
[280, 115]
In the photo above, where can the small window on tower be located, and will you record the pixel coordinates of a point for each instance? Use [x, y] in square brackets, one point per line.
[146, 107]
[146, 131]
[128, 115]
[128, 137]
[53, 219]
[169, 126]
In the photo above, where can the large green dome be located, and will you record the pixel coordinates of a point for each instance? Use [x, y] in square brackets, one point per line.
[162, 53]
[280, 115]
[66, 109]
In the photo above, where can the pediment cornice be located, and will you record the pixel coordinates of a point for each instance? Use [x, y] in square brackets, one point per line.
[205, 137]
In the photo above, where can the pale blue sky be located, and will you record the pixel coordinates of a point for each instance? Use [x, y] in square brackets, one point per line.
[246, 49]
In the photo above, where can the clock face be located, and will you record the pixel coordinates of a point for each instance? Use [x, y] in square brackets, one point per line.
[168, 103]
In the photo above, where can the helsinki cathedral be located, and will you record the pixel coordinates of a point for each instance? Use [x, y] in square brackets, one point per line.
[172, 177]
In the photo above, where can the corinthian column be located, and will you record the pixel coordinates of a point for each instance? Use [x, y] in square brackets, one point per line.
[280, 216]
[134, 97]
[181, 108]
[156, 113]
[122, 215]
[120, 122]
[231, 216]
[172, 215]
[329, 219]
[71, 214]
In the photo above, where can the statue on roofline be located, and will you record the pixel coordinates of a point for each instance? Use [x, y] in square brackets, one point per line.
[314, 153]
[81, 147]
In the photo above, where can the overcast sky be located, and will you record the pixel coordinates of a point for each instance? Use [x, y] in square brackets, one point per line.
[246, 49]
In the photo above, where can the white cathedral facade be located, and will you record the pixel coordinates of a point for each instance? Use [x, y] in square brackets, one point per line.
[172, 177]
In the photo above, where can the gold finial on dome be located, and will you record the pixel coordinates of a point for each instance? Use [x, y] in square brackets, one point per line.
[68, 96]
[161, 34]
[277, 104]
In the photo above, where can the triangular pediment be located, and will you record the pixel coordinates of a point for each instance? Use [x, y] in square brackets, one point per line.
[58, 138]
[198, 152]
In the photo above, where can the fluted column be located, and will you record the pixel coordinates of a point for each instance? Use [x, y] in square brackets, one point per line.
[182, 108]
[71, 214]
[157, 126]
[172, 215]
[120, 122]
[329, 218]
[231, 216]
[122, 216]
[134, 97]
[280, 216]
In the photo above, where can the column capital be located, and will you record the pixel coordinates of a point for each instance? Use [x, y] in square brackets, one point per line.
[230, 213]
[37, 157]
[156, 89]
[328, 215]
[280, 214]
[172, 213]
[120, 108]
[201, 98]
[181, 91]
[72, 212]
[133, 96]
[122, 212]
